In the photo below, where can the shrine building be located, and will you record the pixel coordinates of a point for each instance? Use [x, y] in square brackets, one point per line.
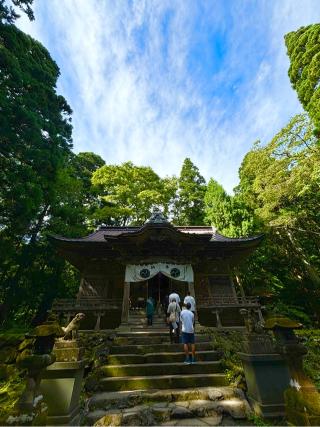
[122, 266]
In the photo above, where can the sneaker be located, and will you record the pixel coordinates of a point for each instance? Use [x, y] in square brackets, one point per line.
[193, 360]
[187, 361]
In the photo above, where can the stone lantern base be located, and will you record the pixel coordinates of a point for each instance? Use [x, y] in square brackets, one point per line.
[267, 378]
[61, 385]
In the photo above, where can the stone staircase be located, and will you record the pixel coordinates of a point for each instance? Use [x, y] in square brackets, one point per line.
[138, 322]
[146, 382]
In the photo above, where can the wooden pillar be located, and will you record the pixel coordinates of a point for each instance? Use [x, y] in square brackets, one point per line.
[241, 288]
[125, 303]
[97, 326]
[260, 315]
[219, 324]
[191, 289]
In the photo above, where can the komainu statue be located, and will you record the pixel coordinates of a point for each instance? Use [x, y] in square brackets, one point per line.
[71, 330]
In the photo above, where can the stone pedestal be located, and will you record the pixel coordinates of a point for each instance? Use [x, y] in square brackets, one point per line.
[267, 378]
[61, 384]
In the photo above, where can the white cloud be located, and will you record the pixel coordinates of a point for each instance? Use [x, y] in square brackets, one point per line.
[125, 74]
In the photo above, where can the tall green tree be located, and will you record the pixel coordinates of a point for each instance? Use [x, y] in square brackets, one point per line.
[35, 134]
[229, 214]
[280, 182]
[129, 192]
[303, 48]
[35, 172]
[189, 204]
[218, 209]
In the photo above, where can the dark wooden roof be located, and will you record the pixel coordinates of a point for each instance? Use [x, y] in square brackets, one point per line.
[104, 233]
[157, 238]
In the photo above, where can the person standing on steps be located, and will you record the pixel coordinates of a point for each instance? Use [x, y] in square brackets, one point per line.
[174, 296]
[187, 320]
[190, 299]
[173, 319]
[149, 311]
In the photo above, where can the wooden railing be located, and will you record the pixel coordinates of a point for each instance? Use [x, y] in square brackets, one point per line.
[228, 301]
[85, 304]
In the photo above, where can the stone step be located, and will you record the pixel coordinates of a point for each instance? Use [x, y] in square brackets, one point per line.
[142, 334]
[154, 348]
[122, 399]
[192, 412]
[147, 337]
[149, 328]
[163, 357]
[162, 382]
[199, 413]
[143, 316]
[144, 322]
[151, 369]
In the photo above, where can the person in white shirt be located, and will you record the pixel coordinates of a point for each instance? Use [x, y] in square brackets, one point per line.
[190, 299]
[174, 296]
[187, 320]
[173, 319]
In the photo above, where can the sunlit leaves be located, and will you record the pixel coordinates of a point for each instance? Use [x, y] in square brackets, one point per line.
[128, 193]
[303, 48]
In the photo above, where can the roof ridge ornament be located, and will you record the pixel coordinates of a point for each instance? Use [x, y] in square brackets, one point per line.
[157, 216]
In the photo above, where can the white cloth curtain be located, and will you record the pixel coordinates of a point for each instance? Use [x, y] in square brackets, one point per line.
[137, 273]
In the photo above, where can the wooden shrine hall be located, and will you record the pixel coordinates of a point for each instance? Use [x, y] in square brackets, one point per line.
[122, 266]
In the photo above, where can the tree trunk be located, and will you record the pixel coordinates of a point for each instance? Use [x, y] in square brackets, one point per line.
[311, 271]
[38, 226]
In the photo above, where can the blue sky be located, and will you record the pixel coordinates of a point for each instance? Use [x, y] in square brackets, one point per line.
[157, 81]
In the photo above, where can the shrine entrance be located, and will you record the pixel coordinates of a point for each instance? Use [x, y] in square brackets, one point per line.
[156, 280]
[157, 287]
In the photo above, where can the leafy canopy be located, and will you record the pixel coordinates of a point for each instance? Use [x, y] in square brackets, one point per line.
[129, 192]
[189, 204]
[303, 49]
[9, 12]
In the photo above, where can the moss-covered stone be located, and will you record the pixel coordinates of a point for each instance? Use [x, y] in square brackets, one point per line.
[281, 322]
[47, 329]
[26, 343]
[28, 360]
[8, 355]
[110, 419]
[311, 339]
[302, 408]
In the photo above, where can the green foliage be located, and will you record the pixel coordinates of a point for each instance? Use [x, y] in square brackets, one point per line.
[9, 13]
[12, 379]
[230, 215]
[42, 188]
[128, 193]
[35, 132]
[303, 49]
[260, 422]
[291, 312]
[188, 207]
[229, 344]
[311, 339]
[279, 183]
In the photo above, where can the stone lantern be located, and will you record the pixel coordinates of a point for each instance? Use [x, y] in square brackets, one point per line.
[36, 355]
[61, 382]
[302, 400]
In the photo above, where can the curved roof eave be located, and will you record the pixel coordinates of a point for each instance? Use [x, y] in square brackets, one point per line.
[189, 234]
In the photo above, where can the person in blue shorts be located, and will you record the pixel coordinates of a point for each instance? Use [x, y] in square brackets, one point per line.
[187, 320]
